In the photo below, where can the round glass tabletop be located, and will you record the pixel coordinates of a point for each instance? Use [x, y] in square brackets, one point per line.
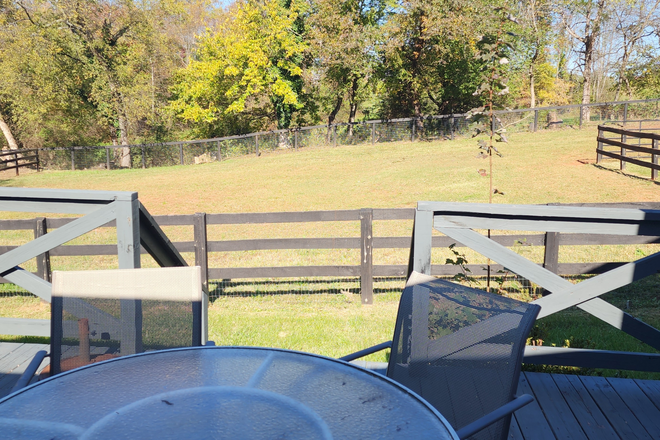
[220, 393]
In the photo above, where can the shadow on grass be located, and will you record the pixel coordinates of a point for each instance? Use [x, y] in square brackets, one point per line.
[275, 287]
[630, 176]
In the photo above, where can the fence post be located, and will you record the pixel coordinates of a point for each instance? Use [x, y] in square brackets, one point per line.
[625, 114]
[451, 126]
[536, 120]
[107, 158]
[256, 144]
[622, 164]
[599, 147]
[144, 161]
[373, 133]
[219, 152]
[38, 160]
[334, 135]
[181, 154]
[366, 256]
[654, 172]
[16, 160]
[412, 129]
[581, 107]
[295, 139]
[73, 161]
[43, 260]
[201, 254]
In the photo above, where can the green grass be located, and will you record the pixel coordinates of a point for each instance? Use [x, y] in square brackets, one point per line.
[546, 167]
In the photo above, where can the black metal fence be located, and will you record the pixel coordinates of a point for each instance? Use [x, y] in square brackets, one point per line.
[367, 132]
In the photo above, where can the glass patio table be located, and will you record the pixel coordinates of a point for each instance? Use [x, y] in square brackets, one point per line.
[220, 393]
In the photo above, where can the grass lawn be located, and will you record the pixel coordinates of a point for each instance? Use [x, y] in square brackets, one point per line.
[546, 167]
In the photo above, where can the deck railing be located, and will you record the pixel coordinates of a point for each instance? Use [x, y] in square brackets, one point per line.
[367, 267]
[459, 221]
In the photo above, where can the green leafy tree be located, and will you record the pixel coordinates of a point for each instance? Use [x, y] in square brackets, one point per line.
[429, 58]
[343, 38]
[249, 65]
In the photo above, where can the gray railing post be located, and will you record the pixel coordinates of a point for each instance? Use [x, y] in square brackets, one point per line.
[256, 144]
[366, 256]
[295, 139]
[43, 260]
[144, 161]
[73, 160]
[373, 133]
[219, 152]
[451, 126]
[107, 158]
[412, 129]
[654, 159]
[625, 114]
[334, 135]
[181, 154]
[551, 253]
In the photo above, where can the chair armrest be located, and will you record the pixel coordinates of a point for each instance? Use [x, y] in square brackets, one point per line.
[29, 372]
[366, 351]
[210, 344]
[494, 416]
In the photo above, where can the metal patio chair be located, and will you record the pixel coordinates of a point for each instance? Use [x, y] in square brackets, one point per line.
[102, 314]
[460, 349]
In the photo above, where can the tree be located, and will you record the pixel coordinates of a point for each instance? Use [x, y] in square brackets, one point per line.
[342, 44]
[116, 54]
[250, 64]
[636, 21]
[429, 62]
[584, 21]
[536, 32]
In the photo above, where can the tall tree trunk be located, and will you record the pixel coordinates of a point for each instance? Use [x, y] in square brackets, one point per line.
[122, 120]
[125, 152]
[353, 104]
[333, 115]
[587, 77]
[11, 140]
[532, 90]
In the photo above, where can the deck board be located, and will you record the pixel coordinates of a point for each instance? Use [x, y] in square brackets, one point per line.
[531, 419]
[617, 412]
[555, 407]
[640, 405]
[592, 420]
[565, 406]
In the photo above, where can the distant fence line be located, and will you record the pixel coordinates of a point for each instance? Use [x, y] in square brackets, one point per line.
[366, 132]
[363, 268]
[623, 145]
[16, 159]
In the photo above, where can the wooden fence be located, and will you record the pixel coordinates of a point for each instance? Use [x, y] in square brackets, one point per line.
[623, 145]
[15, 159]
[366, 268]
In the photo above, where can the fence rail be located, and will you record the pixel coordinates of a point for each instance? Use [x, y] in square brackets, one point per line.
[16, 159]
[641, 138]
[358, 133]
[366, 269]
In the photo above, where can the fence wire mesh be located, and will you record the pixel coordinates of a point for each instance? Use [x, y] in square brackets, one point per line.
[444, 127]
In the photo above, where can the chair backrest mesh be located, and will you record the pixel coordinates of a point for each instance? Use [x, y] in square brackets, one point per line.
[87, 328]
[461, 350]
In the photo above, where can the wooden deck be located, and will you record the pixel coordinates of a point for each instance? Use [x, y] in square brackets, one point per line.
[566, 407]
